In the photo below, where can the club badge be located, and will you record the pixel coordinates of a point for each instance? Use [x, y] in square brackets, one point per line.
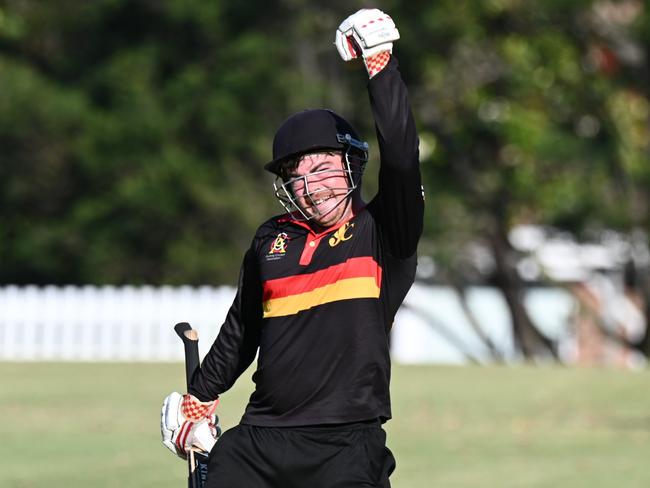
[279, 245]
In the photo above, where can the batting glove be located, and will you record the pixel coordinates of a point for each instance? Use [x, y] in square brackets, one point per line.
[186, 422]
[369, 34]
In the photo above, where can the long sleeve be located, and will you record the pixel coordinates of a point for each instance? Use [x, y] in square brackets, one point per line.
[236, 345]
[399, 205]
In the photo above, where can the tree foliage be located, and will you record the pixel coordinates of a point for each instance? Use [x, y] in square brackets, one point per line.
[133, 132]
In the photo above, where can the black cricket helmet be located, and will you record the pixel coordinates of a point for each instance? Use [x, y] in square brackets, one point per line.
[311, 131]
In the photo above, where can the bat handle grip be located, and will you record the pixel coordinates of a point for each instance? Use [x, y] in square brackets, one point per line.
[190, 338]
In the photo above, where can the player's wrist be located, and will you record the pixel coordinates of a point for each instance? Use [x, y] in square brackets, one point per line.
[195, 410]
[376, 63]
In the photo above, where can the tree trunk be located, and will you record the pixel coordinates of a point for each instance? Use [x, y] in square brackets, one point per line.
[639, 285]
[461, 291]
[528, 339]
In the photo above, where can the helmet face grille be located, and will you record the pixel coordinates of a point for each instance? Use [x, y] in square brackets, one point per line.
[354, 165]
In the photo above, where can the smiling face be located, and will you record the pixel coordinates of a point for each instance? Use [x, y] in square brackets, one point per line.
[320, 186]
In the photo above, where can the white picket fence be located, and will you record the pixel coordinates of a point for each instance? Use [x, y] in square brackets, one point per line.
[136, 323]
[106, 323]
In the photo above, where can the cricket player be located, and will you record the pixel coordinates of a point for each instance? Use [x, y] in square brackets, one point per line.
[317, 294]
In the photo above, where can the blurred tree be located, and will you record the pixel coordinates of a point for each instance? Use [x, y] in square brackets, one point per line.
[130, 131]
[618, 50]
[133, 132]
[517, 128]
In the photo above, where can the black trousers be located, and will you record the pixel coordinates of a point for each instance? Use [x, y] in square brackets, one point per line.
[341, 456]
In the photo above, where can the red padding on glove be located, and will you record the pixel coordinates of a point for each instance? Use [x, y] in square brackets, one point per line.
[182, 435]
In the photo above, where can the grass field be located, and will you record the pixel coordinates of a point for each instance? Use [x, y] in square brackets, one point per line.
[97, 425]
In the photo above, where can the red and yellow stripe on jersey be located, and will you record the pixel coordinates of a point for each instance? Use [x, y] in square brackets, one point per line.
[355, 278]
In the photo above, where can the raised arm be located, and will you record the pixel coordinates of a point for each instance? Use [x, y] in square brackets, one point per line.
[399, 206]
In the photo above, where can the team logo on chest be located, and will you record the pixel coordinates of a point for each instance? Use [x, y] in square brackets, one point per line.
[279, 245]
[341, 234]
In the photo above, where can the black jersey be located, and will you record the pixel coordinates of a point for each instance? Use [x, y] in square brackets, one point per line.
[318, 307]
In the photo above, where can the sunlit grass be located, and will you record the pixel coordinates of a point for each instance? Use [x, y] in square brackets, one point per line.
[82, 425]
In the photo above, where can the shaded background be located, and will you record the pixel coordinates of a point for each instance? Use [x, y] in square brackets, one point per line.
[133, 134]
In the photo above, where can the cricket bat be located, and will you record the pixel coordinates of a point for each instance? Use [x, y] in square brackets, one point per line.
[197, 460]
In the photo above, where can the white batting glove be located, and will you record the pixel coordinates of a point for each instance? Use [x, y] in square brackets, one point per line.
[365, 34]
[186, 422]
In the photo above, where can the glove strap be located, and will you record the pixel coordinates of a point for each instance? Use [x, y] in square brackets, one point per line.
[374, 64]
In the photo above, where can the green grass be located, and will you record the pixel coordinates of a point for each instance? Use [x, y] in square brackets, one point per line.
[97, 425]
